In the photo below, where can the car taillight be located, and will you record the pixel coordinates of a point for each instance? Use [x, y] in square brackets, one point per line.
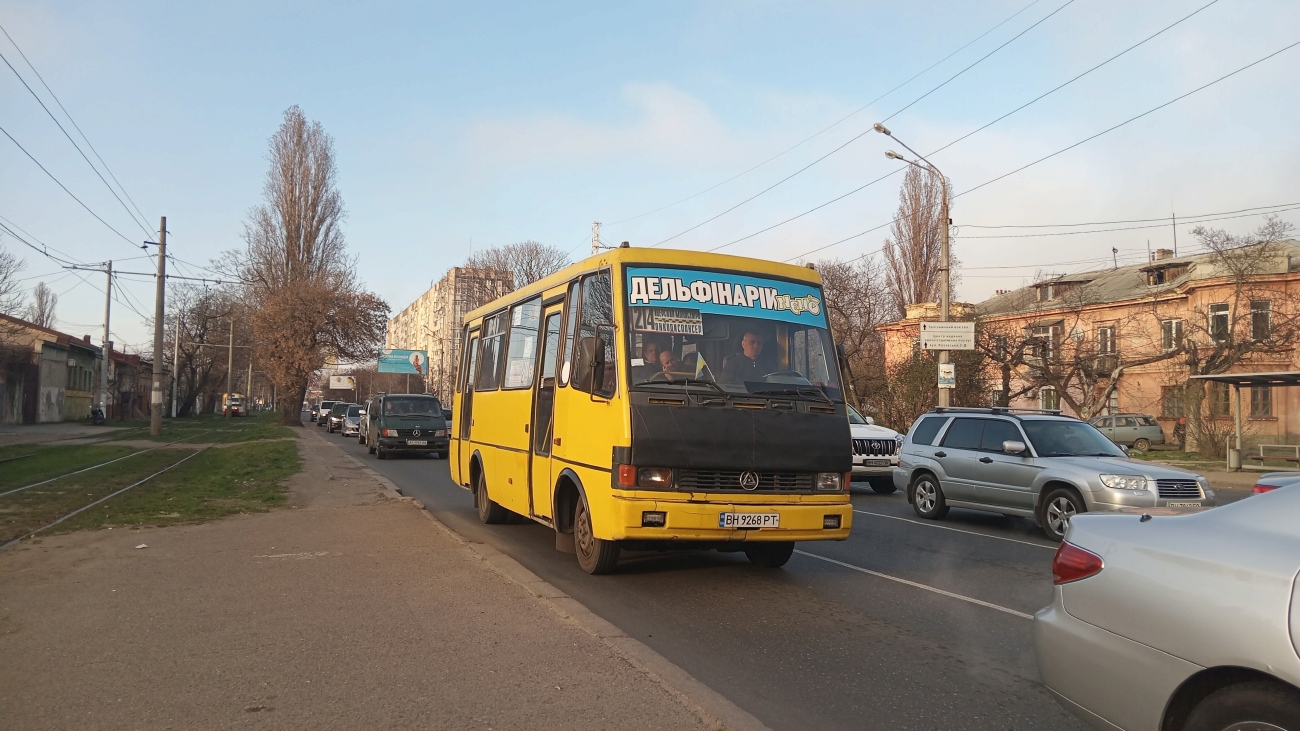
[1260, 489]
[1073, 563]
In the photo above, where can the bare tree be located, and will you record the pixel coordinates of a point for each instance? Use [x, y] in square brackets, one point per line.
[913, 251]
[306, 302]
[11, 294]
[527, 261]
[44, 302]
[856, 302]
[1259, 317]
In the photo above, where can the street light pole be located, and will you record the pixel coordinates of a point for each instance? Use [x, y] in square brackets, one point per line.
[945, 315]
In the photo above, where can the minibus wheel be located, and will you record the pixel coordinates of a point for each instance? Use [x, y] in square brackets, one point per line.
[771, 555]
[489, 512]
[595, 555]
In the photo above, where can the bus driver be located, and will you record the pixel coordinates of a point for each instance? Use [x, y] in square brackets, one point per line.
[743, 366]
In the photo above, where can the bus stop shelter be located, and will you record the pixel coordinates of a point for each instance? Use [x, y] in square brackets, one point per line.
[1237, 380]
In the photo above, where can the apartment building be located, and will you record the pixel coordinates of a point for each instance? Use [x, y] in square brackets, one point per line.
[433, 321]
[1125, 340]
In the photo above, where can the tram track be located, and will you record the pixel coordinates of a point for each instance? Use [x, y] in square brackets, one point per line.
[115, 493]
[103, 464]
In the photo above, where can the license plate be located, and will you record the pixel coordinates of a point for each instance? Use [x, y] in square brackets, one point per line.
[749, 520]
[417, 442]
[1183, 505]
[875, 462]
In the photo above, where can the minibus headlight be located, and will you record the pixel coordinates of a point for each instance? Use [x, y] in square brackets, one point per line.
[654, 477]
[829, 481]
[388, 432]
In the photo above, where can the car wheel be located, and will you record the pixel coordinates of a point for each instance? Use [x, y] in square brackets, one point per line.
[882, 485]
[770, 555]
[595, 555]
[1059, 507]
[1142, 444]
[927, 497]
[488, 511]
[1254, 706]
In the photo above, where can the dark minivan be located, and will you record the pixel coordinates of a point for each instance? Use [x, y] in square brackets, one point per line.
[405, 422]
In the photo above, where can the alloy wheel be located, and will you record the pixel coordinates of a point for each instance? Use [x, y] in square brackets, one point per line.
[925, 496]
[1059, 512]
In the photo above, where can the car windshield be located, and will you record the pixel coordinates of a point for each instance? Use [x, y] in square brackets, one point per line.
[728, 332]
[339, 409]
[1068, 439]
[412, 406]
[354, 411]
[855, 417]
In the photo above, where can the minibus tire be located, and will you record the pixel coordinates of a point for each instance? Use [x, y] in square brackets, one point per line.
[770, 555]
[370, 447]
[380, 453]
[489, 512]
[595, 555]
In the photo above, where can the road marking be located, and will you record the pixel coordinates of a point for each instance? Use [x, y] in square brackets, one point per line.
[962, 597]
[959, 530]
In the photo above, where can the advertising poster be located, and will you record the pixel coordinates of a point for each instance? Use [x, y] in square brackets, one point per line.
[404, 361]
[343, 382]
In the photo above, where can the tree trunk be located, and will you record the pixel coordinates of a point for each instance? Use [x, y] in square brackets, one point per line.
[1193, 398]
[290, 409]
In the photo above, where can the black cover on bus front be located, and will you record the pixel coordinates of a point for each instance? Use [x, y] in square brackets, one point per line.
[728, 438]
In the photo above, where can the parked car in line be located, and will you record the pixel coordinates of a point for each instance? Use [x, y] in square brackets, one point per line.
[1270, 481]
[1139, 431]
[875, 452]
[1032, 464]
[405, 422]
[334, 417]
[323, 412]
[1178, 622]
[352, 420]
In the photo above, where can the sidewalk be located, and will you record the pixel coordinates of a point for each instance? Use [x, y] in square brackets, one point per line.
[352, 609]
[53, 432]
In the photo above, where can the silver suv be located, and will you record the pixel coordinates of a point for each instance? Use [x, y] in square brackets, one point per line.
[1033, 464]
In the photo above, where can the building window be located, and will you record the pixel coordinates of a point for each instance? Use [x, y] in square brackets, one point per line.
[1261, 320]
[1171, 401]
[1106, 340]
[1000, 348]
[1048, 398]
[1261, 402]
[1220, 399]
[1112, 402]
[1219, 321]
[1046, 338]
[1171, 334]
[1046, 292]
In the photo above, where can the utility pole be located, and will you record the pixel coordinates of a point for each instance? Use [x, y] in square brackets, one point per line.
[230, 369]
[595, 237]
[176, 362]
[945, 394]
[248, 387]
[156, 402]
[108, 346]
[1173, 223]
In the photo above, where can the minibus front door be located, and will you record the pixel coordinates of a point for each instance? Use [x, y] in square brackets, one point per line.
[539, 483]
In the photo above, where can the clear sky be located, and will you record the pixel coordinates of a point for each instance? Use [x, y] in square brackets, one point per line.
[462, 125]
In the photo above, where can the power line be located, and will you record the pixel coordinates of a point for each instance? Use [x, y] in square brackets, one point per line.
[1070, 147]
[65, 188]
[74, 122]
[1125, 228]
[1035, 100]
[74, 142]
[833, 125]
[1165, 219]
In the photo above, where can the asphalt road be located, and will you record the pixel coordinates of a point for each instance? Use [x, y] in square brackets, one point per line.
[908, 624]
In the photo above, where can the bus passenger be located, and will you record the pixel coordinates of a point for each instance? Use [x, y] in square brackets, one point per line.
[744, 366]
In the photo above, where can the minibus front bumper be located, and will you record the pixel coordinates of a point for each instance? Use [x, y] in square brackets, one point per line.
[699, 521]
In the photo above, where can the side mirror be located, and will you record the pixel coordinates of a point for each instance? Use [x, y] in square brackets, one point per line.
[1123, 449]
[1013, 447]
[361, 412]
[869, 420]
[843, 357]
[590, 368]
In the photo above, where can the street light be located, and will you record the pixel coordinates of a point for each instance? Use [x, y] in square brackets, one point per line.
[944, 315]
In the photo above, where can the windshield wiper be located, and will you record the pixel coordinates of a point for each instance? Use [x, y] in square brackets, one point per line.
[685, 382]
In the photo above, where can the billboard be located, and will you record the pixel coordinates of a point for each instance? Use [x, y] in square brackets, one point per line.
[404, 361]
[344, 382]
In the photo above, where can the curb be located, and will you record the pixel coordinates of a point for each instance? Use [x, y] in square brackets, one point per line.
[709, 704]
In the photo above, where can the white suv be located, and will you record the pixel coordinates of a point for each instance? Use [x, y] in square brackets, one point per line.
[875, 452]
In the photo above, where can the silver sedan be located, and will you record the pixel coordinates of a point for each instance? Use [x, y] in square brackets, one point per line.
[1167, 622]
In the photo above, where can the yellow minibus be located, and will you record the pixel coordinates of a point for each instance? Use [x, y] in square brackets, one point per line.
[647, 399]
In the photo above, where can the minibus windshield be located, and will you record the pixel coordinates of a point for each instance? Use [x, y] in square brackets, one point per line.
[732, 332]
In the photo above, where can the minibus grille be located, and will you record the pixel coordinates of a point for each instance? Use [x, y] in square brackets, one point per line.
[730, 480]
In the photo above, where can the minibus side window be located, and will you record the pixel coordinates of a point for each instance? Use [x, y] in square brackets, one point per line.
[568, 346]
[596, 331]
[490, 353]
[521, 358]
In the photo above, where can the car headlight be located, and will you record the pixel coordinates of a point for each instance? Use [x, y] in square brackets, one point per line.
[829, 481]
[1124, 482]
